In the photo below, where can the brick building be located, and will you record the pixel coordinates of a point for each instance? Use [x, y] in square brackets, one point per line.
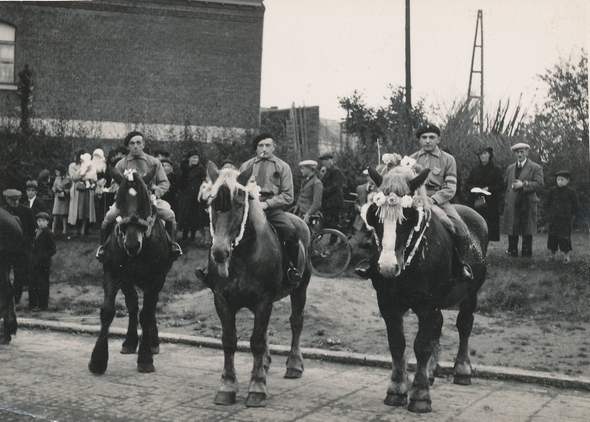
[110, 65]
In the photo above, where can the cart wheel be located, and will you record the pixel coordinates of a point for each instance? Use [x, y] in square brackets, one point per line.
[330, 253]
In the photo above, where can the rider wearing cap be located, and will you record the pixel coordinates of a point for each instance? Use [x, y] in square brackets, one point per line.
[142, 163]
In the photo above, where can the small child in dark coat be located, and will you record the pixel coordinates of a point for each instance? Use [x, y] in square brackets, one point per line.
[562, 204]
[43, 249]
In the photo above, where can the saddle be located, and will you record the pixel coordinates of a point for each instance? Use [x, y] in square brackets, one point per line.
[457, 260]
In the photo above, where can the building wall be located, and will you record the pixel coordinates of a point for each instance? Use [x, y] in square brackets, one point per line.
[154, 62]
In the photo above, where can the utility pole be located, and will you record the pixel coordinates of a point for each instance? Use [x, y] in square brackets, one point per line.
[408, 59]
[470, 95]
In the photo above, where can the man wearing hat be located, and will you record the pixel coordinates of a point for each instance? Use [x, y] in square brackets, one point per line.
[33, 202]
[142, 163]
[275, 179]
[523, 180]
[562, 205]
[309, 201]
[332, 197]
[41, 253]
[22, 264]
[441, 186]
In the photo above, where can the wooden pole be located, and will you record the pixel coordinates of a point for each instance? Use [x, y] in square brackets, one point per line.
[408, 58]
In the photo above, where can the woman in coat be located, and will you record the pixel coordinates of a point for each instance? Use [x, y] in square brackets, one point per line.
[61, 187]
[82, 209]
[487, 177]
[192, 175]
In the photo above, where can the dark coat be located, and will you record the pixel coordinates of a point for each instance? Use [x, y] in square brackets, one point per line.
[171, 195]
[43, 249]
[27, 223]
[310, 197]
[38, 206]
[520, 205]
[562, 203]
[333, 182]
[487, 176]
[190, 211]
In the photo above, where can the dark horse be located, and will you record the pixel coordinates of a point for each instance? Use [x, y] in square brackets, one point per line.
[10, 238]
[248, 269]
[417, 268]
[136, 255]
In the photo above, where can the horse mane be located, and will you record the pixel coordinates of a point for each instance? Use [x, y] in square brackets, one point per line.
[397, 181]
[141, 206]
[226, 187]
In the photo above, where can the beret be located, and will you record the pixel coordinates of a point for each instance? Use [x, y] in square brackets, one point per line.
[262, 136]
[132, 135]
[520, 145]
[12, 193]
[427, 129]
[32, 184]
[563, 173]
[326, 156]
[308, 163]
[44, 215]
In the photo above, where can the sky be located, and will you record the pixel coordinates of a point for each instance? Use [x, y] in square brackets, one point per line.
[317, 51]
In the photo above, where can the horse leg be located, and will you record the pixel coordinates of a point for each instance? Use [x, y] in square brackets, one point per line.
[464, 324]
[100, 354]
[155, 338]
[147, 317]
[429, 327]
[132, 304]
[295, 359]
[433, 366]
[226, 394]
[257, 389]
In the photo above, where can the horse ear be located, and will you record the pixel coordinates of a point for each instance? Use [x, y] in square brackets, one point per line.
[375, 176]
[115, 174]
[419, 180]
[212, 171]
[244, 176]
[149, 176]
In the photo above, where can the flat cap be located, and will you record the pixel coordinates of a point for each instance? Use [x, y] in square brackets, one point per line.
[308, 163]
[563, 173]
[44, 216]
[326, 156]
[32, 184]
[132, 135]
[261, 137]
[12, 193]
[427, 129]
[520, 145]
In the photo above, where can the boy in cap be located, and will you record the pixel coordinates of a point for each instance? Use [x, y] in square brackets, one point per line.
[43, 249]
[22, 264]
[310, 195]
[562, 205]
[523, 179]
[142, 163]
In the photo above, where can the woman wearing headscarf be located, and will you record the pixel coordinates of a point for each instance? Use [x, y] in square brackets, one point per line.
[485, 185]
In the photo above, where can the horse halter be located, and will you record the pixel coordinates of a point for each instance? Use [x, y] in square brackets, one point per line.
[390, 208]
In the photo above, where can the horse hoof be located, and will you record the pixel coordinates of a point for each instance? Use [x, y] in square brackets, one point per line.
[97, 368]
[145, 368]
[155, 350]
[128, 350]
[5, 339]
[396, 400]
[256, 400]
[462, 379]
[420, 406]
[293, 373]
[225, 398]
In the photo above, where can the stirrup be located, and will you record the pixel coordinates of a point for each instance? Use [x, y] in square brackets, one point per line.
[467, 272]
[100, 254]
[175, 251]
[294, 276]
[201, 274]
[363, 269]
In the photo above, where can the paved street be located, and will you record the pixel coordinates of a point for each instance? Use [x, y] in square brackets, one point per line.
[44, 376]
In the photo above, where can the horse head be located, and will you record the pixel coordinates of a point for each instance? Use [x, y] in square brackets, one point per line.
[137, 210]
[398, 213]
[230, 211]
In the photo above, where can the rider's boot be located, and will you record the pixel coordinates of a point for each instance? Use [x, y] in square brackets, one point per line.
[175, 249]
[292, 251]
[463, 244]
[105, 232]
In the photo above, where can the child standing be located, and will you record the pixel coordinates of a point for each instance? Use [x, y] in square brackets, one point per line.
[562, 204]
[43, 249]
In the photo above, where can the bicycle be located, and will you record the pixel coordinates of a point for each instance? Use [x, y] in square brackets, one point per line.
[330, 250]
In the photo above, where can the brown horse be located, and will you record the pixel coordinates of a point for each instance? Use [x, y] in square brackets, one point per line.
[136, 255]
[248, 269]
[417, 268]
[10, 239]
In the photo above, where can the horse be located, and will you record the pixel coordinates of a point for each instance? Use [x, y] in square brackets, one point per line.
[416, 266]
[10, 238]
[247, 268]
[136, 255]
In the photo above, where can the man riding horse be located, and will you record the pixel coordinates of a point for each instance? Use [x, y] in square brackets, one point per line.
[142, 163]
[441, 186]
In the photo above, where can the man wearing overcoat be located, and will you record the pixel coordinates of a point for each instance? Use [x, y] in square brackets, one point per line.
[333, 196]
[309, 201]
